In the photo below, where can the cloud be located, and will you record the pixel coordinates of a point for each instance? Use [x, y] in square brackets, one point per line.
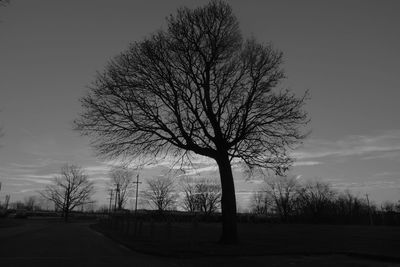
[366, 184]
[385, 144]
[386, 174]
[26, 190]
[36, 178]
[97, 169]
[306, 163]
[390, 155]
[196, 171]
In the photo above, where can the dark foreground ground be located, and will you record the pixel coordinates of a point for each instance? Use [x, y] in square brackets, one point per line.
[54, 243]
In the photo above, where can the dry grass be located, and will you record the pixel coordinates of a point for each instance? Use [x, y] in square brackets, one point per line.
[187, 240]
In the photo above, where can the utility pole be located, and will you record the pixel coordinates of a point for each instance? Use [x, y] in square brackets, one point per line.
[111, 197]
[137, 192]
[116, 198]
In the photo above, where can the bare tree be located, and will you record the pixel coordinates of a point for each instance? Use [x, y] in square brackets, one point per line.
[202, 195]
[197, 87]
[261, 202]
[6, 201]
[31, 202]
[388, 206]
[69, 190]
[160, 193]
[208, 194]
[121, 184]
[284, 192]
[397, 207]
[315, 197]
[189, 200]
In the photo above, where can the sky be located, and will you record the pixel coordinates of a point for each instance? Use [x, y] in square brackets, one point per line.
[344, 52]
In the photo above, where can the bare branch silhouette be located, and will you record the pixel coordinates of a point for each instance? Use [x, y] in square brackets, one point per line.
[198, 87]
[201, 195]
[161, 193]
[122, 183]
[69, 190]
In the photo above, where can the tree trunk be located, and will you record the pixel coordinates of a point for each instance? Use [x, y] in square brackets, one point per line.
[228, 201]
[66, 213]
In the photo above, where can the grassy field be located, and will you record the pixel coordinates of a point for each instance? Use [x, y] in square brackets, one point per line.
[5, 222]
[188, 239]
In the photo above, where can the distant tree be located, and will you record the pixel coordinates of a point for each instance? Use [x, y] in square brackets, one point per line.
[31, 202]
[208, 194]
[17, 205]
[261, 202]
[197, 87]
[397, 207]
[388, 206]
[284, 193]
[103, 208]
[121, 183]
[69, 190]
[315, 197]
[44, 203]
[160, 193]
[351, 207]
[7, 201]
[189, 200]
[202, 195]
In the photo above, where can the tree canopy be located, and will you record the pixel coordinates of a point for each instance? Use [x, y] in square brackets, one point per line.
[197, 87]
[69, 190]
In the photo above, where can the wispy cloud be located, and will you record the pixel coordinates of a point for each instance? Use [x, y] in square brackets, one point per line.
[385, 144]
[388, 174]
[97, 169]
[306, 163]
[22, 191]
[36, 178]
[197, 171]
[366, 184]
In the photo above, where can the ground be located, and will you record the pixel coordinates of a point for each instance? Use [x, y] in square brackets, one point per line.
[46, 242]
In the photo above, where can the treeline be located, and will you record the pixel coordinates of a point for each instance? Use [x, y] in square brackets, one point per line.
[279, 199]
[289, 200]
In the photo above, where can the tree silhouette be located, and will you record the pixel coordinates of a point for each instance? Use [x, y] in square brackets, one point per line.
[122, 183]
[284, 192]
[201, 195]
[315, 197]
[197, 87]
[69, 190]
[161, 193]
[261, 202]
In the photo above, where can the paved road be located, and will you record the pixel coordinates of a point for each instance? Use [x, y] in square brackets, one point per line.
[43, 243]
[40, 243]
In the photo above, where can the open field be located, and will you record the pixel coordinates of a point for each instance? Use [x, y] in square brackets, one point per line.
[52, 242]
[188, 239]
[5, 223]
